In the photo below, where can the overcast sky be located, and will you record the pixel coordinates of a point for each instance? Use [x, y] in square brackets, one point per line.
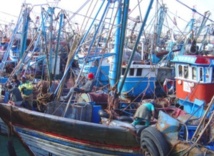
[11, 8]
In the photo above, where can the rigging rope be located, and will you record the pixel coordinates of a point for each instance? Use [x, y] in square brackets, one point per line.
[82, 30]
[194, 10]
[75, 13]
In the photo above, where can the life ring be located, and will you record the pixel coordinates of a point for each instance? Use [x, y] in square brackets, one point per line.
[168, 86]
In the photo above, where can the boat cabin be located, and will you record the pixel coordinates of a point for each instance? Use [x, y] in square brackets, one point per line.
[194, 76]
[141, 79]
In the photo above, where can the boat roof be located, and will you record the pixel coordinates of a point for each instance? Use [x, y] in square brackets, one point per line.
[194, 60]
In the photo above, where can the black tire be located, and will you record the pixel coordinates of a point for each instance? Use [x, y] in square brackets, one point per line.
[148, 147]
[139, 129]
[158, 139]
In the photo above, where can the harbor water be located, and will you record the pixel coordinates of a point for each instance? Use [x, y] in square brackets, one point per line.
[6, 146]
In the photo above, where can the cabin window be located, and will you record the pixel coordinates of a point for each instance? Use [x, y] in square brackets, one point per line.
[139, 72]
[201, 74]
[131, 72]
[180, 70]
[194, 73]
[186, 73]
[207, 71]
[123, 71]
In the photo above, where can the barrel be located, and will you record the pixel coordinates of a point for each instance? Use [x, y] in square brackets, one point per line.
[95, 114]
[82, 111]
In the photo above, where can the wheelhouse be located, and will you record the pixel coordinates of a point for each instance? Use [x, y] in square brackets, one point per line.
[194, 76]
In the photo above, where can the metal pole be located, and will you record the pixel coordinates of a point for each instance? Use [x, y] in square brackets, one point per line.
[135, 47]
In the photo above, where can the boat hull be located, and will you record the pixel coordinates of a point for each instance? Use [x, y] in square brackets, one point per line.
[134, 86]
[46, 133]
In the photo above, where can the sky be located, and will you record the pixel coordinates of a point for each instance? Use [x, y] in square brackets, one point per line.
[10, 9]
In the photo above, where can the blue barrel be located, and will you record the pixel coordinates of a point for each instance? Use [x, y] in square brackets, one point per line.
[6, 97]
[95, 113]
[3, 80]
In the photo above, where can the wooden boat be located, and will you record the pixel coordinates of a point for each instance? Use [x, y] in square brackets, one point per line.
[71, 136]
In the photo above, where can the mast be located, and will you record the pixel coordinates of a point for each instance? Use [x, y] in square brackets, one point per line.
[162, 15]
[51, 13]
[57, 44]
[135, 47]
[114, 72]
[26, 19]
[74, 50]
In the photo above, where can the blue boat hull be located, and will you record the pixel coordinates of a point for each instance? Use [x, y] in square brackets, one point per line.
[135, 86]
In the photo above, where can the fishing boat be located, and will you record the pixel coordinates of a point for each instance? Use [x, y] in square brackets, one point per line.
[77, 127]
[26, 54]
[193, 78]
[80, 128]
[100, 58]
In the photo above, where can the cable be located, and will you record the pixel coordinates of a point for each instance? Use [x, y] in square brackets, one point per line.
[8, 14]
[193, 9]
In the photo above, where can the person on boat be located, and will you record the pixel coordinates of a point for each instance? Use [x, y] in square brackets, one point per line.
[194, 48]
[4, 43]
[15, 97]
[15, 81]
[26, 89]
[144, 113]
[87, 87]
